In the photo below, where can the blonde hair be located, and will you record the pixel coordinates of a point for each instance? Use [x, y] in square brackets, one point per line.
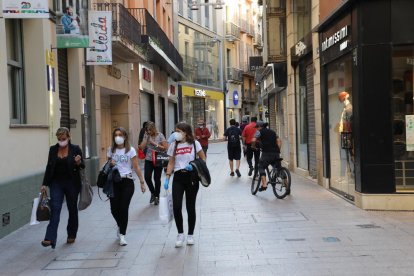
[63, 131]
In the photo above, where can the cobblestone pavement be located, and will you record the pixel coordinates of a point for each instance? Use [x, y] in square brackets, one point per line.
[311, 232]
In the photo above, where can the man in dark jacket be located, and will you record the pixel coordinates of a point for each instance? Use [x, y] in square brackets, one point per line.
[232, 135]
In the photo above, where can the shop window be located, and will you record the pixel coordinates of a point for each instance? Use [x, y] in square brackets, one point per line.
[341, 143]
[15, 71]
[403, 116]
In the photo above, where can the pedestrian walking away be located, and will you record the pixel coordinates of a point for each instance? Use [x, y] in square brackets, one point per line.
[232, 135]
[63, 179]
[152, 144]
[184, 150]
[270, 145]
[124, 156]
[202, 134]
[247, 136]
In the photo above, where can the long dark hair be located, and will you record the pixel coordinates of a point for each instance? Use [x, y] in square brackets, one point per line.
[186, 128]
[126, 141]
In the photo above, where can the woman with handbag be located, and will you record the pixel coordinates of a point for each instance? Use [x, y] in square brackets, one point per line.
[153, 143]
[125, 158]
[63, 179]
[182, 152]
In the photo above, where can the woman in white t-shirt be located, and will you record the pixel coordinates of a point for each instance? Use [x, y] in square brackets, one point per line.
[181, 153]
[125, 158]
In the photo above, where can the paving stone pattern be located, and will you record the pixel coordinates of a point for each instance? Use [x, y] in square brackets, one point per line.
[311, 232]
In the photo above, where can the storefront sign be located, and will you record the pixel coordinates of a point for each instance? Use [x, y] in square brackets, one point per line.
[300, 48]
[114, 72]
[100, 39]
[255, 62]
[146, 74]
[409, 130]
[199, 92]
[235, 97]
[335, 38]
[25, 9]
[72, 29]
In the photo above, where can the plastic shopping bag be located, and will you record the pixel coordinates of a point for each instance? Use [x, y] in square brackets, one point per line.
[166, 207]
[33, 219]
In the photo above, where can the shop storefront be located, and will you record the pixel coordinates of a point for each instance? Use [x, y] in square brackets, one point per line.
[199, 103]
[367, 103]
[302, 63]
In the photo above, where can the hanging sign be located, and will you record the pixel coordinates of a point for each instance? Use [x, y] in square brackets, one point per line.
[100, 38]
[25, 9]
[71, 29]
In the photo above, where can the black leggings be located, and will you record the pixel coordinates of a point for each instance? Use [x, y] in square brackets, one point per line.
[123, 192]
[182, 183]
[148, 169]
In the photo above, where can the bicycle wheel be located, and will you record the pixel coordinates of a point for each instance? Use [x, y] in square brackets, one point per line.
[282, 181]
[255, 182]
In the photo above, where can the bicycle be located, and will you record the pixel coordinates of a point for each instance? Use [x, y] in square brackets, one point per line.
[279, 177]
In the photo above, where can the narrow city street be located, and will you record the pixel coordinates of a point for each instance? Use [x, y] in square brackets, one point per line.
[311, 232]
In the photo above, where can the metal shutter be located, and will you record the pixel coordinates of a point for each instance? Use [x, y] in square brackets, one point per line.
[63, 88]
[145, 107]
[311, 121]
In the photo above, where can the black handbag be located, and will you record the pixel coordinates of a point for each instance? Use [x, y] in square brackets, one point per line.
[160, 159]
[43, 209]
[103, 174]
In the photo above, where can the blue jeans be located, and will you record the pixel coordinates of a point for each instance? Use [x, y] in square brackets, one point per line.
[59, 189]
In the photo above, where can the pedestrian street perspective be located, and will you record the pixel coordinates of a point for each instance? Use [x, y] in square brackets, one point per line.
[310, 232]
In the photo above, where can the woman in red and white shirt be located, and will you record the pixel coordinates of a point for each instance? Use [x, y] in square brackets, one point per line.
[182, 152]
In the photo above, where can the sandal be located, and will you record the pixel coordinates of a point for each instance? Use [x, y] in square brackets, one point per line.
[261, 188]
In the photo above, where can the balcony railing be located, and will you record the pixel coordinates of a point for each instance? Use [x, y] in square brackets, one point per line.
[277, 11]
[243, 25]
[257, 40]
[232, 31]
[124, 25]
[250, 30]
[234, 74]
[150, 27]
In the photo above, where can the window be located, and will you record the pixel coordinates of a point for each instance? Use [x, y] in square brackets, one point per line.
[180, 7]
[15, 71]
[403, 115]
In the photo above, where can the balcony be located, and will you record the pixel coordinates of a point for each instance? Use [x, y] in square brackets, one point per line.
[234, 75]
[257, 41]
[276, 11]
[126, 32]
[243, 26]
[232, 32]
[249, 96]
[244, 66]
[160, 50]
[250, 30]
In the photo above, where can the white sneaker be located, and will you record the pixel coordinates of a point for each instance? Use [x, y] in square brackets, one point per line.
[190, 240]
[122, 240]
[180, 240]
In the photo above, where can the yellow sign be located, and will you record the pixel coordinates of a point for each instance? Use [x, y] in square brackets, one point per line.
[196, 92]
[260, 108]
[50, 58]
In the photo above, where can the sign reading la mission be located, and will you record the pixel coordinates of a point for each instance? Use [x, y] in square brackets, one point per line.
[334, 38]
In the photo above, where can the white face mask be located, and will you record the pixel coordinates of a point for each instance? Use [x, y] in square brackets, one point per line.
[119, 140]
[63, 143]
[178, 136]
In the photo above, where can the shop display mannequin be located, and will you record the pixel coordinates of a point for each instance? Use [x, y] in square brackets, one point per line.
[345, 129]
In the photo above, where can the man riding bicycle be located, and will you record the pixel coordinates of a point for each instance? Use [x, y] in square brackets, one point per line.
[270, 144]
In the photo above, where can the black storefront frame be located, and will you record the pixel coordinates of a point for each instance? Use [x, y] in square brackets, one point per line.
[372, 79]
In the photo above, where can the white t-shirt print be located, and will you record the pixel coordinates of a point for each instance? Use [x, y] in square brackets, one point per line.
[184, 154]
[122, 159]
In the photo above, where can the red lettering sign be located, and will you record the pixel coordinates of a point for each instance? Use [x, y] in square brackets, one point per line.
[146, 74]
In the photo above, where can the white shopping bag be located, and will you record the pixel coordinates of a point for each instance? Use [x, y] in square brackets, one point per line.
[33, 220]
[166, 207]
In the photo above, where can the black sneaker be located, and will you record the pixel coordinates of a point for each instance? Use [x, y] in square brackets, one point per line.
[250, 171]
[238, 173]
[156, 201]
[232, 174]
[152, 199]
